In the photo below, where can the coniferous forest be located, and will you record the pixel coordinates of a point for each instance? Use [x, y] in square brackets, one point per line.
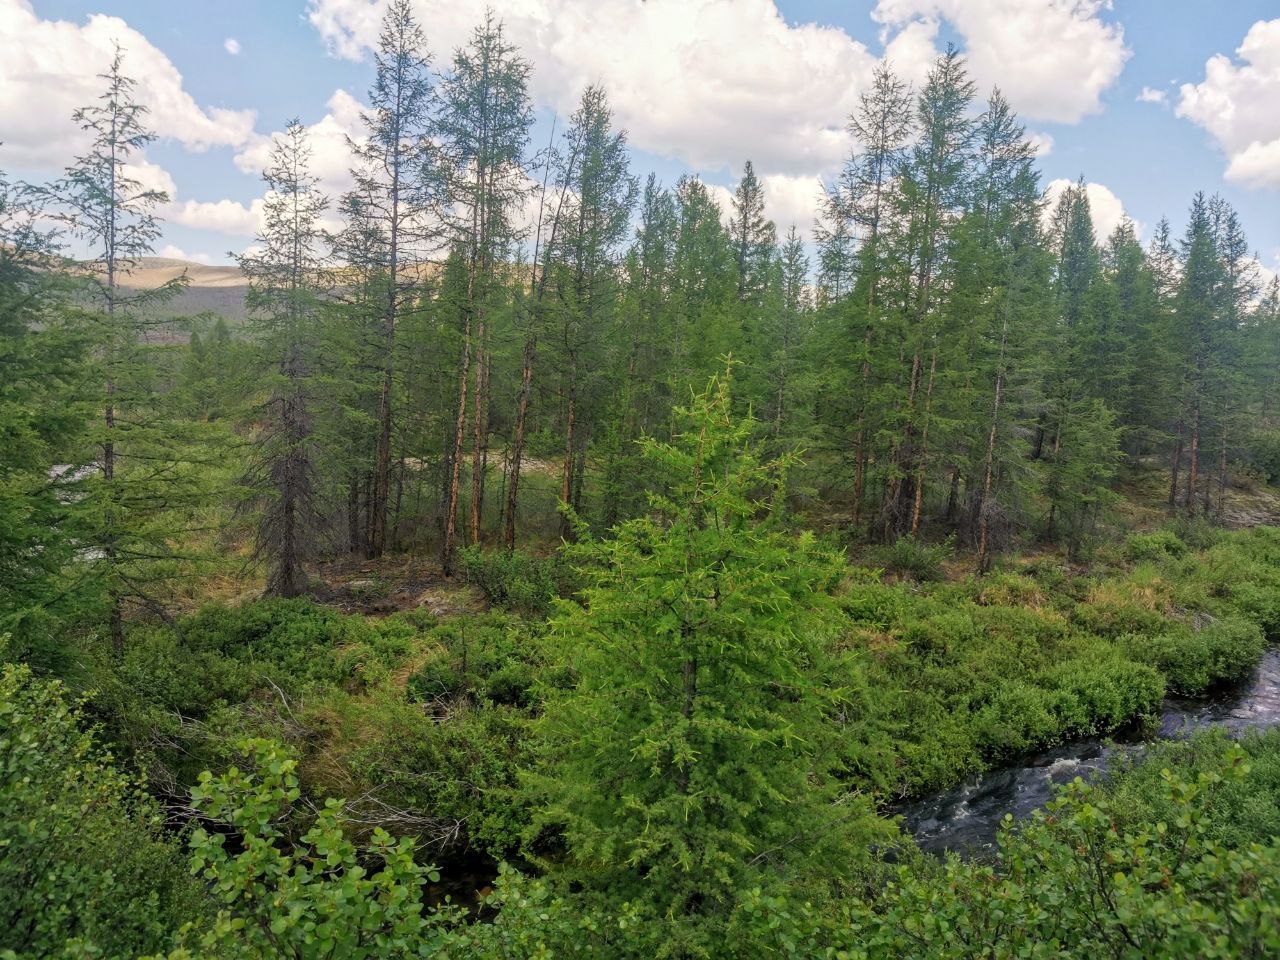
[545, 561]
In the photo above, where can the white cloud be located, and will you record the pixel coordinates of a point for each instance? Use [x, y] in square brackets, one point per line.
[1053, 58]
[787, 200]
[48, 68]
[151, 176]
[231, 45]
[708, 82]
[223, 216]
[1042, 143]
[1151, 95]
[1236, 104]
[1105, 208]
[170, 252]
[330, 154]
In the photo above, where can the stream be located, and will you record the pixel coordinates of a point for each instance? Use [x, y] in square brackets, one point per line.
[966, 819]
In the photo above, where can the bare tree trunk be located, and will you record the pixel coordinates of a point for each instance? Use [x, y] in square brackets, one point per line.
[566, 481]
[924, 446]
[382, 461]
[984, 506]
[448, 549]
[517, 442]
[860, 436]
[1193, 475]
[1175, 467]
[1222, 471]
[480, 430]
[353, 513]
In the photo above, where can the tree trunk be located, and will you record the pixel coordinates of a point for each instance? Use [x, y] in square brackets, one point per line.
[1193, 470]
[924, 446]
[1222, 472]
[517, 442]
[1175, 467]
[480, 430]
[382, 463]
[448, 549]
[984, 505]
[566, 480]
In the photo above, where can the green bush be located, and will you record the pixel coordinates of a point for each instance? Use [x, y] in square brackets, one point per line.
[914, 558]
[518, 581]
[487, 657]
[1154, 546]
[1081, 881]
[1264, 453]
[83, 856]
[1194, 661]
[315, 897]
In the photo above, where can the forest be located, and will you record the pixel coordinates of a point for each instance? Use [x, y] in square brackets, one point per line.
[545, 562]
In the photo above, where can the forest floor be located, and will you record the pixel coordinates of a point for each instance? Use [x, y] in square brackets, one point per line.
[394, 584]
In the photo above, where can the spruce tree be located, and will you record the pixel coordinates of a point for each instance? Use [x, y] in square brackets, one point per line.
[285, 287]
[584, 276]
[42, 408]
[145, 479]
[389, 233]
[483, 129]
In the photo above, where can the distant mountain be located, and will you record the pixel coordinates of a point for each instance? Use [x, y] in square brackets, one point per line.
[210, 289]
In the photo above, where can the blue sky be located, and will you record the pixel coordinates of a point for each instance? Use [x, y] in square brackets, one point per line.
[1129, 94]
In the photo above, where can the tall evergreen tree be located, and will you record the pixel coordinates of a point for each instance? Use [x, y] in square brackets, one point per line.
[753, 235]
[932, 189]
[881, 127]
[585, 260]
[285, 285]
[142, 474]
[390, 233]
[483, 128]
[42, 408]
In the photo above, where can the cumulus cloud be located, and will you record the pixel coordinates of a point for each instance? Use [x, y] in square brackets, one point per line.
[231, 45]
[330, 153]
[1042, 143]
[1053, 58]
[222, 216]
[787, 200]
[1236, 104]
[170, 252]
[1151, 95]
[707, 82]
[1105, 208]
[48, 68]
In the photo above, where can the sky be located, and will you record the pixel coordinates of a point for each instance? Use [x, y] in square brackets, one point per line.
[1147, 100]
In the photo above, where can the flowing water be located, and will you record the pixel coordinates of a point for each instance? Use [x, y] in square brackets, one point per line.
[965, 820]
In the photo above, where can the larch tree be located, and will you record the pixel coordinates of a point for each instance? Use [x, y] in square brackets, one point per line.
[483, 130]
[695, 754]
[932, 184]
[390, 228]
[284, 270]
[599, 196]
[881, 128]
[143, 477]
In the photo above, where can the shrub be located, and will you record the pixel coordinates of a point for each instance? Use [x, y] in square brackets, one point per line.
[1194, 661]
[311, 898]
[518, 581]
[1078, 882]
[914, 558]
[82, 853]
[491, 656]
[1154, 546]
[1264, 453]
